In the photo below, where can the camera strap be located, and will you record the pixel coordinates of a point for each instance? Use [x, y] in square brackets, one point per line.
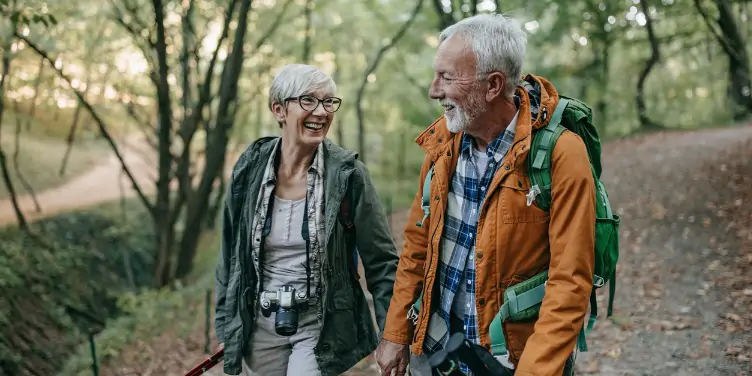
[305, 233]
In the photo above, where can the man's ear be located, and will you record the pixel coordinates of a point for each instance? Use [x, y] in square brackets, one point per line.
[496, 82]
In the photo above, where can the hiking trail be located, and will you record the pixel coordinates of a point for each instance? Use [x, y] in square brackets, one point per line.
[104, 182]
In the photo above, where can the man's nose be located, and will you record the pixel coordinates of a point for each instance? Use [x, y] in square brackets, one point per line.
[433, 91]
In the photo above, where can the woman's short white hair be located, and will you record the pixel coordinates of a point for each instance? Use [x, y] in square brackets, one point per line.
[293, 80]
[498, 42]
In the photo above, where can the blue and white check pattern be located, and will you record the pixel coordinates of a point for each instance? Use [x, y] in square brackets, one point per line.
[457, 262]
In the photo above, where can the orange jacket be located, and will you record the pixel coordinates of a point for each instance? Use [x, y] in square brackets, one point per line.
[514, 242]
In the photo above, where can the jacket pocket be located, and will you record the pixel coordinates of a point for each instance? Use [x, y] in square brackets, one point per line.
[513, 201]
[342, 315]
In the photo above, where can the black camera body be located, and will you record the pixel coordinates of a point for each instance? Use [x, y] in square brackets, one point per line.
[287, 303]
[446, 362]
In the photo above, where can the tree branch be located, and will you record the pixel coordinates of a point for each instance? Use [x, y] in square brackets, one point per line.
[3, 161]
[100, 123]
[306, 58]
[16, 165]
[190, 123]
[372, 68]
[655, 57]
[273, 28]
[727, 47]
[445, 19]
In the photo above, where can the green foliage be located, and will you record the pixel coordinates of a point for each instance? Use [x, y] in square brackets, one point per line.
[54, 293]
[26, 15]
[147, 314]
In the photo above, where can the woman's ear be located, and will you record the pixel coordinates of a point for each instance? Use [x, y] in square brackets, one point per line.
[279, 112]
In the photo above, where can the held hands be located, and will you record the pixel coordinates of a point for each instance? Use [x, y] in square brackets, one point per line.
[392, 357]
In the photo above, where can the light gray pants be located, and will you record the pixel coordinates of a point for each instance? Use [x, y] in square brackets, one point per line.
[273, 355]
[419, 365]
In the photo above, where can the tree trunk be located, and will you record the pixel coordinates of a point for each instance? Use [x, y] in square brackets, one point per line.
[655, 56]
[15, 158]
[32, 110]
[216, 153]
[306, 58]
[340, 123]
[164, 230]
[740, 84]
[726, 31]
[214, 208]
[74, 125]
[3, 161]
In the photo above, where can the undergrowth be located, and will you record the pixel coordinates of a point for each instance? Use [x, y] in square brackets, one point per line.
[54, 294]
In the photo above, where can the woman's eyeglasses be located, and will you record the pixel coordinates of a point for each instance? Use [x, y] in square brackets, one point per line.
[309, 102]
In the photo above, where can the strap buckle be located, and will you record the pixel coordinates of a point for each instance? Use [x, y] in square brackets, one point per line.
[534, 191]
[598, 281]
[412, 315]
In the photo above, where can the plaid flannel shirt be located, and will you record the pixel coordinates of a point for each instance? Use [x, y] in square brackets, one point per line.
[315, 207]
[456, 270]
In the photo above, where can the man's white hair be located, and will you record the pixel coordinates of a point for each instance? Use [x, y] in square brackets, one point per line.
[498, 43]
[293, 80]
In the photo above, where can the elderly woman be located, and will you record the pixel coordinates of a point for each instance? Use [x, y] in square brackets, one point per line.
[298, 206]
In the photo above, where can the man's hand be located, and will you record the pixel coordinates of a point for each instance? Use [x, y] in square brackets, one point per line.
[392, 357]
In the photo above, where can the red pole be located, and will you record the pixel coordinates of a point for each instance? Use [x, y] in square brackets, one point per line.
[207, 364]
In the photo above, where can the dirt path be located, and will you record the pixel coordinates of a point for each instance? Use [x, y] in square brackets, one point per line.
[684, 295]
[103, 182]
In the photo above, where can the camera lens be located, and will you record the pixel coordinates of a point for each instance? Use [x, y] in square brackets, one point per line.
[286, 322]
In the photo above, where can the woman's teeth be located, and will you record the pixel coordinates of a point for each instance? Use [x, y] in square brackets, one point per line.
[313, 126]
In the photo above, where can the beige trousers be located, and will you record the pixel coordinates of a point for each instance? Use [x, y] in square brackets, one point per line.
[273, 355]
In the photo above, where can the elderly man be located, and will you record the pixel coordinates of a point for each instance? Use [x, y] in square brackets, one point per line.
[483, 233]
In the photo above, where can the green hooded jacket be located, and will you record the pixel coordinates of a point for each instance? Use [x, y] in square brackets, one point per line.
[348, 333]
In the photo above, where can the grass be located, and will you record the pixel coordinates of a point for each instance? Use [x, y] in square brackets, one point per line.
[41, 153]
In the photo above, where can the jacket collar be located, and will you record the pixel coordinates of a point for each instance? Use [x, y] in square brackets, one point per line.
[335, 156]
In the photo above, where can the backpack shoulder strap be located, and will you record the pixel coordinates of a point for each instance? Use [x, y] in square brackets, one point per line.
[426, 200]
[348, 223]
[539, 160]
[344, 212]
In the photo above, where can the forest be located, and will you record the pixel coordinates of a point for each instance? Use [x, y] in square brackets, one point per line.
[120, 121]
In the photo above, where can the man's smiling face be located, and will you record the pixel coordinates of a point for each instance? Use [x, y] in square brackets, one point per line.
[456, 85]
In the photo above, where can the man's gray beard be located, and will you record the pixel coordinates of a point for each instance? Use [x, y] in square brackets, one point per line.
[462, 119]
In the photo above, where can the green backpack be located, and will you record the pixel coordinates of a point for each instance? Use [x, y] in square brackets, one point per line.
[573, 115]
[523, 300]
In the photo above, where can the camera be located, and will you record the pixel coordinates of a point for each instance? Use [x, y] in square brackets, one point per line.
[458, 350]
[287, 304]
